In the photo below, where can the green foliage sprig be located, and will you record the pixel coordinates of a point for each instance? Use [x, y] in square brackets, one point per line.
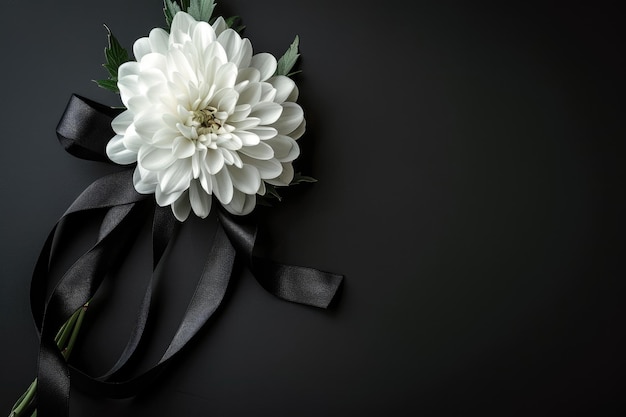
[115, 56]
[288, 60]
[201, 10]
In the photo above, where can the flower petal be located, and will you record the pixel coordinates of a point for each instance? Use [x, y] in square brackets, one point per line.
[151, 77]
[247, 179]
[118, 153]
[132, 141]
[284, 178]
[270, 168]
[284, 87]
[200, 201]
[129, 89]
[232, 43]
[159, 40]
[222, 186]
[294, 94]
[182, 25]
[214, 161]
[251, 94]
[178, 62]
[121, 122]
[290, 118]
[219, 25]
[236, 204]
[175, 177]
[155, 61]
[246, 124]
[227, 101]
[141, 47]
[215, 57]
[297, 134]
[265, 63]
[203, 36]
[247, 138]
[248, 74]
[155, 159]
[128, 69]
[241, 204]
[137, 103]
[243, 58]
[145, 181]
[197, 160]
[148, 123]
[231, 157]
[189, 132]
[261, 151]
[267, 112]
[249, 204]
[268, 93]
[181, 207]
[229, 142]
[165, 199]
[241, 112]
[264, 132]
[164, 138]
[285, 148]
[183, 147]
[226, 75]
[205, 182]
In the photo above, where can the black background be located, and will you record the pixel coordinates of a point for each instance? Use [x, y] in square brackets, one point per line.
[471, 189]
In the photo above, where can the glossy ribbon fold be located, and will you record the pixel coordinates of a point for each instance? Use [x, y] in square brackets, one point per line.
[84, 130]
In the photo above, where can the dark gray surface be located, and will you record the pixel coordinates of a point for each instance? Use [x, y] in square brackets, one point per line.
[470, 164]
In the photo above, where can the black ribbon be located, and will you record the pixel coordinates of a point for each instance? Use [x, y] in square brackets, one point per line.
[83, 131]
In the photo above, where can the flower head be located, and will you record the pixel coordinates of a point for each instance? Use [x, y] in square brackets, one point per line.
[205, 117]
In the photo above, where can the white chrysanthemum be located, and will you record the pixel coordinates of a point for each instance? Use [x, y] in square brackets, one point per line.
[205, 117]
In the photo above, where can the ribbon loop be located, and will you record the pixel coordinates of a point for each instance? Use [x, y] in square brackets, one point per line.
[85, 128]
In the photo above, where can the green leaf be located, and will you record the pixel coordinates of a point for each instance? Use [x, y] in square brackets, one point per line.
[288, 60]
[201, 10]
[115, 56]
[170, 8]
[231, 21]
[298, 178]
[108, 85]
[270, 191]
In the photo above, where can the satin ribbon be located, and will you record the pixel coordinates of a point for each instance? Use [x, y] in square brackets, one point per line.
[83, 131]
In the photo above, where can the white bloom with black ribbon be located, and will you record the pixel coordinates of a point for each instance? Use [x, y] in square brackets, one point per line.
[205, 116]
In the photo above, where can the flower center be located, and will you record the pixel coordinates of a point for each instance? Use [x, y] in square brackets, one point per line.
[205, 121]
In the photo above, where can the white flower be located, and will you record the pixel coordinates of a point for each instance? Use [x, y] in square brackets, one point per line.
[205, 117]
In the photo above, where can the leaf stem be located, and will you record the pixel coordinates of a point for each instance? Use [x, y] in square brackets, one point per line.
[65, 339]
[79, 321]
[25, 399]
[66, 330]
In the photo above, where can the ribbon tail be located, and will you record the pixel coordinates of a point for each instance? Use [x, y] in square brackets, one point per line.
[291, 283]
[297, 284]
